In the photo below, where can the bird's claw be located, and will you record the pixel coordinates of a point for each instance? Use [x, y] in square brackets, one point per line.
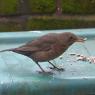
[58, 69]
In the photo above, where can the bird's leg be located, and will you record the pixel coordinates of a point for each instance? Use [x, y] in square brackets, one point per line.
[52, 64]
[55, 66]
[43, 71]
[40, 67]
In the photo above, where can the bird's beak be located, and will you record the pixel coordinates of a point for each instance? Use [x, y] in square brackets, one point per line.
[80, 39]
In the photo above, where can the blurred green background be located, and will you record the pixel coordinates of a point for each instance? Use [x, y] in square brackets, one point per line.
[23, 15]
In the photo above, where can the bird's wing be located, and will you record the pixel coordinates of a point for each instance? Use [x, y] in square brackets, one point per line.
[42, 44]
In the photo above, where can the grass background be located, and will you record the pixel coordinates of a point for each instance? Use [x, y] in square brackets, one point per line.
[42, 6]
[78, 6]
[10, 8]
[48, 6]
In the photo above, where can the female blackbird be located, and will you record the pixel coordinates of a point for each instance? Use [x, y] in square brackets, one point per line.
[47, 47]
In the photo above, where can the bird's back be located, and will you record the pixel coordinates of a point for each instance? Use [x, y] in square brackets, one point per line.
[44, 48]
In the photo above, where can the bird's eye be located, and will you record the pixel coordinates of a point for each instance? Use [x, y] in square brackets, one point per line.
[71, 38]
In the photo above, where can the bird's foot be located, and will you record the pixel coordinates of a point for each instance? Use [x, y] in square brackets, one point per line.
[56, 68]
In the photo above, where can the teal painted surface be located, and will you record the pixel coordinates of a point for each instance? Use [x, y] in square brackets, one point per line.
[19, 74]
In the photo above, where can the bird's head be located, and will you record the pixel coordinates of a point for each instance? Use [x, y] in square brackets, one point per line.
[69, 38]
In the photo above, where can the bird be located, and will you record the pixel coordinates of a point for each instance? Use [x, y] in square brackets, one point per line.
[47, 47]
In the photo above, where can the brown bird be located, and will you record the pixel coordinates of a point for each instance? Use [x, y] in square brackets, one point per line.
[47, 47]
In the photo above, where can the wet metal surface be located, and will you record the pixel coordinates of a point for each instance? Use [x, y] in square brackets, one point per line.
[19, 74]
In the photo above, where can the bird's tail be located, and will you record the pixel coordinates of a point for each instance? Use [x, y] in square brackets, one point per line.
[6, 50]
[16, 50]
